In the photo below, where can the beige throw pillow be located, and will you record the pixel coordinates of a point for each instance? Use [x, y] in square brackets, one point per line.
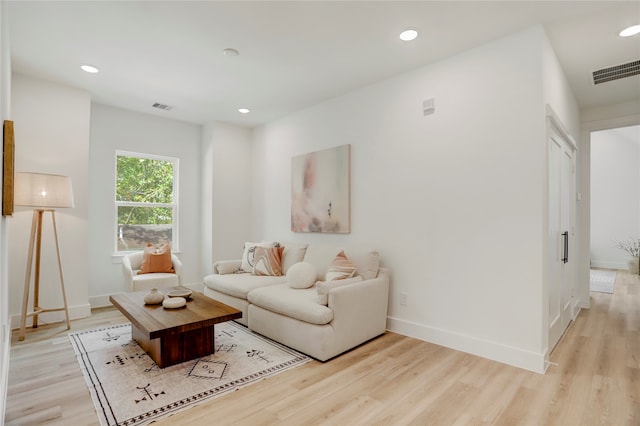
[293, 253]
[370, 266]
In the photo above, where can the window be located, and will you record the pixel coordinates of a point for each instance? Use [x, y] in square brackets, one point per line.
[146, 201]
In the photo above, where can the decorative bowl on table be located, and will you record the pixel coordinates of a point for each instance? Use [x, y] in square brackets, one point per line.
[174, 302]
[180, 293]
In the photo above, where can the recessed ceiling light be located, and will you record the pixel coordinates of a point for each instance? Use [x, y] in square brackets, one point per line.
[89, 69]
[408, 35]
[244, 110]
[631, 31]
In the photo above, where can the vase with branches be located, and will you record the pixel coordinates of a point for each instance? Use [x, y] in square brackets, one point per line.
[632, 247]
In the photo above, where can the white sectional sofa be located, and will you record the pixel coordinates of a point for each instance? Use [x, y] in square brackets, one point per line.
[355, 311]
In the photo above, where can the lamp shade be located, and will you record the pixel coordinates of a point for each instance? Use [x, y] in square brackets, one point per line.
[42, 190]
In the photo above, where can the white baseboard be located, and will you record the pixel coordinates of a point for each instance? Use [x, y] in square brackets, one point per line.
[577, 307]
[581, 303]
[75, 312]
[609, 265]
[102, 300]
[495, 351]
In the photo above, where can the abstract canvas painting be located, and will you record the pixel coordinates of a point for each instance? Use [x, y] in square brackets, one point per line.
[320, 191]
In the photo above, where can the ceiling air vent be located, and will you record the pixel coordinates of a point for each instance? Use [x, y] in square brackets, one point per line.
[162, 106]
[616, 72]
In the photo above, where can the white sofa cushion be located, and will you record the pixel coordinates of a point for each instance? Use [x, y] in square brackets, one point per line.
[300, 304]
[239, 285]
[367, 261]
[293, 253]
[155, 280]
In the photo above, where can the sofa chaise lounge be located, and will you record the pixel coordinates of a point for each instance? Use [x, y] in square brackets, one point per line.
[322, 320]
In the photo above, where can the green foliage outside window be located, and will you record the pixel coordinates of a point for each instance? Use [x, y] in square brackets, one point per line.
[144, 180]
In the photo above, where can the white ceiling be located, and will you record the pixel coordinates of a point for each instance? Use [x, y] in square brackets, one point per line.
[293, 54]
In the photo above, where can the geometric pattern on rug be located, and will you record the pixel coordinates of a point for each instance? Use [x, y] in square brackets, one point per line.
[128, 388]
[602, 281]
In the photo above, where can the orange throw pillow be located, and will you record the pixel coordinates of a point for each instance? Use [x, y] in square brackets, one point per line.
[157, 259]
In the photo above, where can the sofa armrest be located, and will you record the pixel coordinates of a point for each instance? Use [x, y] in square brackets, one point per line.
[360, 309]
[223, 267]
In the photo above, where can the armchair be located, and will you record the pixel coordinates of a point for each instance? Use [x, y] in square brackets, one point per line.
[134, 282]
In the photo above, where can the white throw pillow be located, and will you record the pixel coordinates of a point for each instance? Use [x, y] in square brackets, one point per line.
[301, 275]
[323, 287]
[249, 253]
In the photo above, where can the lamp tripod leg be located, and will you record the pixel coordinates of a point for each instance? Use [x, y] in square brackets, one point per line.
[36, 276]
[64, 294]
[27, 281]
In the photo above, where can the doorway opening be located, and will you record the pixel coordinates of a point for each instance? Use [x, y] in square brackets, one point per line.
[615, 195]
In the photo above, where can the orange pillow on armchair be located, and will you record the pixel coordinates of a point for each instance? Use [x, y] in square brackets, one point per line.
[157, 259]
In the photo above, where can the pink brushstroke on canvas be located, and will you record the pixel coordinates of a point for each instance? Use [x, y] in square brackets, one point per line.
[320, 190]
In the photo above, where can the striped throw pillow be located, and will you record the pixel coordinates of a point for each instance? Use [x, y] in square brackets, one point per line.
[341, 268]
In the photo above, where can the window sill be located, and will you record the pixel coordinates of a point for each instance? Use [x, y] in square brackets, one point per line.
[117, 257]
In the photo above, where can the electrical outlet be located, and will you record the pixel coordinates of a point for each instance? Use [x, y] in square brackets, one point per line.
[403, 299]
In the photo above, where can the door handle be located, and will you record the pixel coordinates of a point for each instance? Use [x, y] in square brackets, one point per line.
[565, 254]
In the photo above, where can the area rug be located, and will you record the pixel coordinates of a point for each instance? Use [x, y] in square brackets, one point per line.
[602, 281]
[128, 388]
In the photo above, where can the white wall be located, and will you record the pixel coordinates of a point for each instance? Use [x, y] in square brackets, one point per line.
[226, 195]
[52, 136]
[615, 196]
[115, 129]
[454, 200]
[5, 114]
[610, 116]
[563, 112]
[557, 92]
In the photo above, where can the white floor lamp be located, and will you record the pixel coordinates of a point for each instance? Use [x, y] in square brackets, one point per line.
[45, 193]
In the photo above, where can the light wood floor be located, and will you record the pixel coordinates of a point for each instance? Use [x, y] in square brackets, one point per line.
[392, 380]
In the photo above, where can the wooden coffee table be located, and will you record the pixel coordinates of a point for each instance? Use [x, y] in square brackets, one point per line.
[172, 336]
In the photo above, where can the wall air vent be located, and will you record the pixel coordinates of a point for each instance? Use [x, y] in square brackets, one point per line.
[162, 106]
[616, 72]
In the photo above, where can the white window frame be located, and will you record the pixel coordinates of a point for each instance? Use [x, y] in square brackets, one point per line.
[175, 246]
